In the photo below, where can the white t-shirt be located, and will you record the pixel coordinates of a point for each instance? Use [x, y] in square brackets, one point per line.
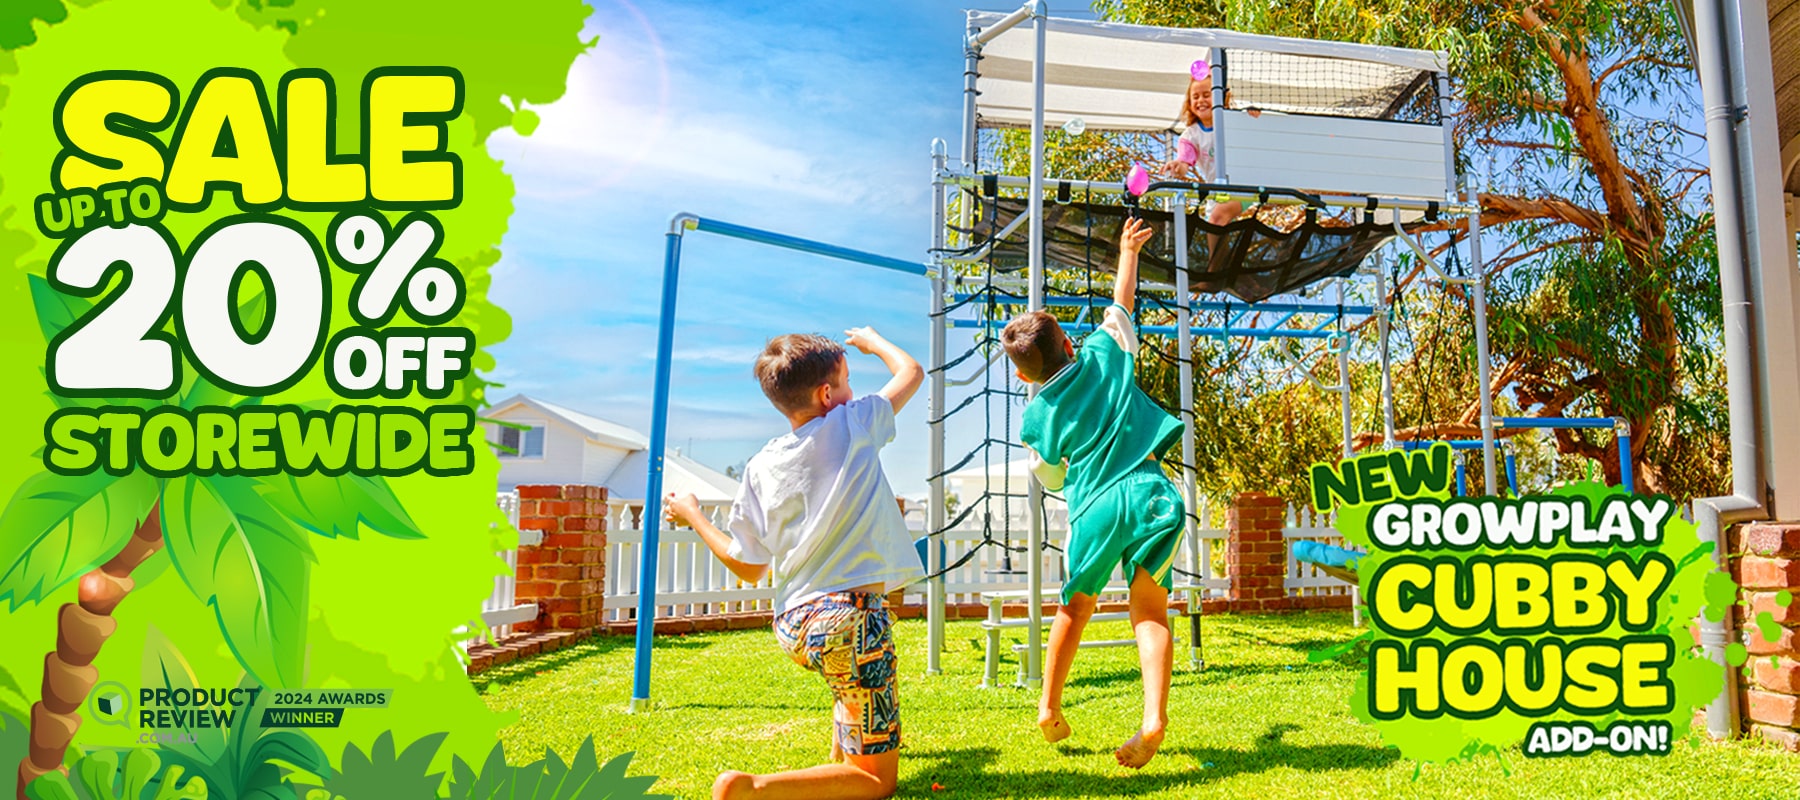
[1202, 140]
[815, 506]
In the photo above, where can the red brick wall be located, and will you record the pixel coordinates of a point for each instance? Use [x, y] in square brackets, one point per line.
[565, 573]
[1769, 563]
[1256, 560]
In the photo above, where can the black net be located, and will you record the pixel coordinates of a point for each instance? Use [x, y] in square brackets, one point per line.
[1333, 87]
[1248, 258]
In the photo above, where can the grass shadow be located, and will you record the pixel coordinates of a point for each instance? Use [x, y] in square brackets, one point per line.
[592, 647]
[974, 772]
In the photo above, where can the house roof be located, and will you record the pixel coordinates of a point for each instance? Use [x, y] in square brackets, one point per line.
[596, 428]
[681, 475]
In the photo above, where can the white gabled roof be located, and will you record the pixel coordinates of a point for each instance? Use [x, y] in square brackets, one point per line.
[595, 428]
[681, 474]
[1123, 77]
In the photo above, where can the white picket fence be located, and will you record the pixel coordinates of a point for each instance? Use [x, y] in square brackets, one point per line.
[500, 611]
[1303, 579]
[692, 582]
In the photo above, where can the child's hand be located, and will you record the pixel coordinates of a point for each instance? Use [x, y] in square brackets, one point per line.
[1176, 169]
[1135, 233]
[864, 339]
[680, 510]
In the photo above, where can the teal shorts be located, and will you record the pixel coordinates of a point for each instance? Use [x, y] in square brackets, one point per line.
[1135, 522]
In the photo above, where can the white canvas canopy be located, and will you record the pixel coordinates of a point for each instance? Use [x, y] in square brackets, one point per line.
[1119, 77]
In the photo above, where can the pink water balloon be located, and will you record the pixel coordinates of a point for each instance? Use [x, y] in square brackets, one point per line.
[1185, 152]
[1200, 70]
[1137, 181]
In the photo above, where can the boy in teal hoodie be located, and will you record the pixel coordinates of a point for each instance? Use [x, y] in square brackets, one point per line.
[1094, 434]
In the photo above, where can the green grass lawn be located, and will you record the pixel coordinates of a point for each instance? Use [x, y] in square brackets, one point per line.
[1260, 722]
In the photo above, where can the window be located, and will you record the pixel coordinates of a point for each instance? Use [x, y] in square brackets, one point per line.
[528, 443]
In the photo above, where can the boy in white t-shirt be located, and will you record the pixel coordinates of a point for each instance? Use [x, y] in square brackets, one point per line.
[816, 511]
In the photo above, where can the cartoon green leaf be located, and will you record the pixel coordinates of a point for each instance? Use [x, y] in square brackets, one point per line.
[333, 506]
[54, 786]
[164, 667]
[56, 311]
[58, 527]
[241, 557]
[385, 774]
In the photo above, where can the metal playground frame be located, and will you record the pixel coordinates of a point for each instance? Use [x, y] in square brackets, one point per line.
[1025, 35]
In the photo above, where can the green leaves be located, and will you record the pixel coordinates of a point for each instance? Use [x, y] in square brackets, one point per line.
[237, 554]
[247, 762]
[57, 527]
[333, 506]
[383, 773]
[549, 778]
[97, 776]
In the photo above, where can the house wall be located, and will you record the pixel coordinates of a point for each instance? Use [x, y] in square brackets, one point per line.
[598, 462]
[563, 452]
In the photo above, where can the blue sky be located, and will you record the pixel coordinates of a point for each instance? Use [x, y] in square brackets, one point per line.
[809, 118]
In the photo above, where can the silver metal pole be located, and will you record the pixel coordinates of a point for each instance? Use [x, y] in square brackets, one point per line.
[1034, 660]
[1343, 364]
[1005, 24]
[1216, 63]
[935, 513]
[1382, 306]
[1447, 120]
[1488, 471]
[1716, 28]
[1184, 348]
[971, 72]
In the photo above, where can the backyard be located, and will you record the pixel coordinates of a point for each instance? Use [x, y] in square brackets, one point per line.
[1260, 722]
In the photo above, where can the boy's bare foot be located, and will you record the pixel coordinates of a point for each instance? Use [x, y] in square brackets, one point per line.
[1138, 751]
[1053, 725]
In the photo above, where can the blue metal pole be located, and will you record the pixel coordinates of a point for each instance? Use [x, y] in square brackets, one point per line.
[1557, 422]
[1462, 480]
[1170, 330]
[659, 432]
[807, 246]
[1198, 305]
[1623, 429]
[1512, 473]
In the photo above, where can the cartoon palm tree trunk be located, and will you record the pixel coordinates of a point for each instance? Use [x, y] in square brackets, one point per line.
[81, 628]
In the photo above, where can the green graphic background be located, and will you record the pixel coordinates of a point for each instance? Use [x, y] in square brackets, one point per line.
[381, 609]
[1696, 680]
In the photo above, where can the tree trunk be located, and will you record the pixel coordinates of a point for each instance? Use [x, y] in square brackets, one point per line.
[81, 628]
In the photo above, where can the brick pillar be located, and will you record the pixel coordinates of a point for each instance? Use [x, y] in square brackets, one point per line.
[1256, 557]
[1770, 564]
[565, 573]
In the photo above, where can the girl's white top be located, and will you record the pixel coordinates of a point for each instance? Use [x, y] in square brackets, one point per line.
[1202, 139]
[815, 506]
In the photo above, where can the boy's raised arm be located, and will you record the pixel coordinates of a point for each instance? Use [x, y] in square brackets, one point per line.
[907, 372]
[1131, 239]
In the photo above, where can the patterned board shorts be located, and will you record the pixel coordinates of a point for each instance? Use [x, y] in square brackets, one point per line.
[847, 637]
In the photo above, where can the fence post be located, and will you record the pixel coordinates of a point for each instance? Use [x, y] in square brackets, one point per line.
[565, 573]
[1256, 556]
